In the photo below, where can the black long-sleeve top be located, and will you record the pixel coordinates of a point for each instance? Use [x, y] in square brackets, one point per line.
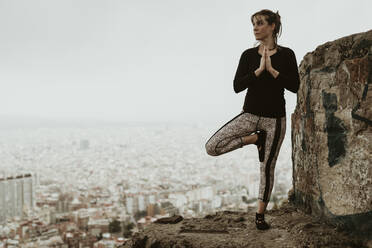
[265, 94]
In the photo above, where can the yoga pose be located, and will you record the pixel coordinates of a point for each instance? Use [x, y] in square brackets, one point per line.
[265, 71]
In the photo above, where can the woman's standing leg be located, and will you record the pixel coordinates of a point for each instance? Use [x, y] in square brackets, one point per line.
[232, 135]
[275, 128]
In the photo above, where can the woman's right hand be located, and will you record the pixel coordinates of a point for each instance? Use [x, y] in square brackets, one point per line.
[262, 66]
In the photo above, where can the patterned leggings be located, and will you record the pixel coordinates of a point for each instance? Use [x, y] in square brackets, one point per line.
[229, 137]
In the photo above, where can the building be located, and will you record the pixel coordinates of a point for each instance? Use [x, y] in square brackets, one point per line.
[17, 196]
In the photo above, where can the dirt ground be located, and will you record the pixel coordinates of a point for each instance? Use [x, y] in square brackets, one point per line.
[226, 229]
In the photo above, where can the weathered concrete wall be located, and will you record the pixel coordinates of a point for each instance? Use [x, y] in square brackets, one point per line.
[332, 132]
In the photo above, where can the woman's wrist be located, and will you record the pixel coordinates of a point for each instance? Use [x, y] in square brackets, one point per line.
[258, 71]
[274, 72]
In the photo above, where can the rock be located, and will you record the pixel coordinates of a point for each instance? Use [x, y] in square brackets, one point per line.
[239, 219]
[169, 220]
[332, 133]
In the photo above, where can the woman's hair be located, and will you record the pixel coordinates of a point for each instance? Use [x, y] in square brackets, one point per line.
[271, 18]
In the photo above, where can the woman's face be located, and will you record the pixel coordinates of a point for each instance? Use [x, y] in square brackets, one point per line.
[261, 29]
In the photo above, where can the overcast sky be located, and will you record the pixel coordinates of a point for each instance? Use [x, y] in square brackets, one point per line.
[146, 60]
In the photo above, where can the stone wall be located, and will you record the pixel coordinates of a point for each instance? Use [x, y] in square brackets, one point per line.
[332, 133]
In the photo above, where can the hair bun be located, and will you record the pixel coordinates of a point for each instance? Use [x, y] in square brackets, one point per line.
[277, 15]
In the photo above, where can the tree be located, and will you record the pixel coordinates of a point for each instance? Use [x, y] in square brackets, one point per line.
[139, 214]
[114, 226]
[99, 237]
[127, 233]
[156, 209]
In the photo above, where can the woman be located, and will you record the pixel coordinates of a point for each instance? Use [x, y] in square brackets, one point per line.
[265, 71]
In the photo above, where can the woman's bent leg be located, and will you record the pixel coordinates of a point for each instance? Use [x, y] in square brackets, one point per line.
[229, 136]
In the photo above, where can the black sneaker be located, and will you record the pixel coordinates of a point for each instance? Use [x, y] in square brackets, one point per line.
[261, 224]
[260, 143]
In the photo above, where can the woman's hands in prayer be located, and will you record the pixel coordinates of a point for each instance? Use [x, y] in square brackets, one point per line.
[265, 64]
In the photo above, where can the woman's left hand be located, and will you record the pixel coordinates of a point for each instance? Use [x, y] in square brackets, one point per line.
[268, 65]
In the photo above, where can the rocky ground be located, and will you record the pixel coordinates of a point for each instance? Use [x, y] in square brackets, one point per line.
[226, 229]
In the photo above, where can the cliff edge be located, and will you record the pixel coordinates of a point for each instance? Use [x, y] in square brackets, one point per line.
[290, 227]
